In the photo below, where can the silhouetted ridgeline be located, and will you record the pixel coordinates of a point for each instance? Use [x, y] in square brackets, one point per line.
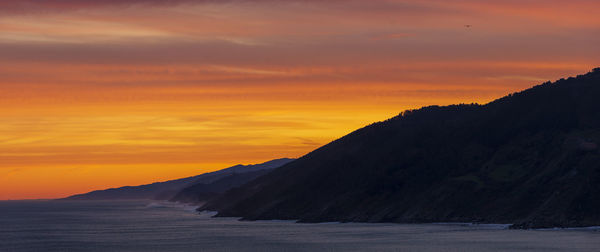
[213, 183]
[201, 192]
[530, 158]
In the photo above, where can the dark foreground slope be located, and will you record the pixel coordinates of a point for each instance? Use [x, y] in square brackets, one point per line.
[202, 192]
[166, 190]
[530, 158]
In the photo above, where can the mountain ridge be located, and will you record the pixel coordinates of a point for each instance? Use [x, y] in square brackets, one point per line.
[530, 158]
[165, 190]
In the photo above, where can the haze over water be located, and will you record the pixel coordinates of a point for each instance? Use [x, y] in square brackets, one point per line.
[157, 226]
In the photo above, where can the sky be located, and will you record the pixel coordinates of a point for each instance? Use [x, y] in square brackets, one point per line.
[99, 94]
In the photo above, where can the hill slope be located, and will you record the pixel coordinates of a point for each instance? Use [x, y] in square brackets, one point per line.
[166, 190]
[530, 158]
[202, 192]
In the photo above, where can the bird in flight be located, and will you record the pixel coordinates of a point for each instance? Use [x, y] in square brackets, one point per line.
[468, 26]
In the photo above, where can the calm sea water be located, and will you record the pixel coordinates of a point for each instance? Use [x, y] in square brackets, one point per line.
[155, 226]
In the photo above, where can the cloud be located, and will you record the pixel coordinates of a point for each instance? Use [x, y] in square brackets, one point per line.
[37, 5]
[392, 36]
[129, 85]
[41, 6]
[354, 50]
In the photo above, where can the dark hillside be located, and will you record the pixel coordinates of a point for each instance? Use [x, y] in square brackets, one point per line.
[202, 192]
[530, 158]
[167, 189]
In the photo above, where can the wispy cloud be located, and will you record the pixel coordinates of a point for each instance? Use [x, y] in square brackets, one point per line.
[89, 88]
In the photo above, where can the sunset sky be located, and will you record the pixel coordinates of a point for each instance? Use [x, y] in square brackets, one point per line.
[98, 94]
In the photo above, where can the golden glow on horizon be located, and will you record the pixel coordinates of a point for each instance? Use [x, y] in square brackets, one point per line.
[105, 94]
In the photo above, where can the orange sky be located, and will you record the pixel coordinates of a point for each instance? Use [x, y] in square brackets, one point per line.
[97, 94]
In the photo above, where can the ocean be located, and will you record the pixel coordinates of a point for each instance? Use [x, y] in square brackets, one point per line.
[161, 226]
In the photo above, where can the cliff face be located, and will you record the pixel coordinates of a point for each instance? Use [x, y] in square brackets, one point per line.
[530, 158]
